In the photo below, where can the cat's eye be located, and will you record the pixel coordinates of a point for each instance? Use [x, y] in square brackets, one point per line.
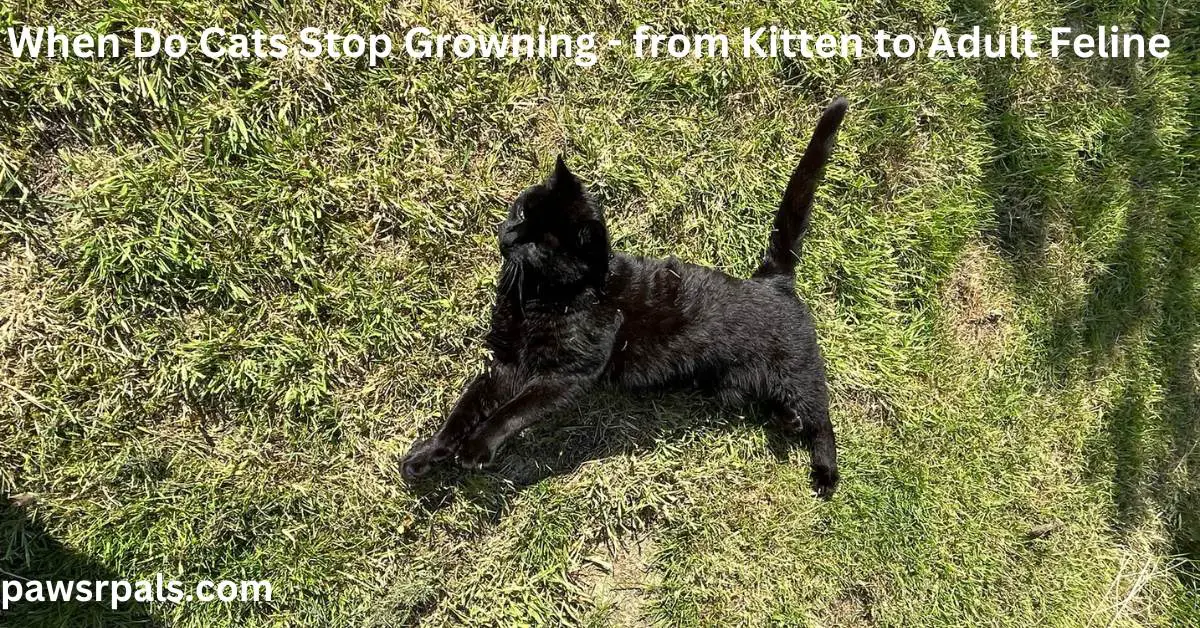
[520, 215]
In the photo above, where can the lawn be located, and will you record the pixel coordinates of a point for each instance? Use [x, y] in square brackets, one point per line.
[232, 294]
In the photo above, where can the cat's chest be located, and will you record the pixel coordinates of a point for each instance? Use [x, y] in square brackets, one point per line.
[540, 340]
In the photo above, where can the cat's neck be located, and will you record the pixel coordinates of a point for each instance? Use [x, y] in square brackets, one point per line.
[536, 296]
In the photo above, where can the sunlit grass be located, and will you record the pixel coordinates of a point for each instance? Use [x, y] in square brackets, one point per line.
[232, 294]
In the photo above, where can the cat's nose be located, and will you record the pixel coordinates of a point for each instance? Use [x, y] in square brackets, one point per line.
[508, 237]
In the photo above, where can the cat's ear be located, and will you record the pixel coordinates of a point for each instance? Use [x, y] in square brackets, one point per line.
[562, 179]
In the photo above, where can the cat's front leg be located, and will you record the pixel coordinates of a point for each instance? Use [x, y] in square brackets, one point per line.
[486, 392]
[537, 399]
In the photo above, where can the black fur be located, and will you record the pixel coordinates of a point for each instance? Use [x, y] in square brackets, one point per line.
[570, 314]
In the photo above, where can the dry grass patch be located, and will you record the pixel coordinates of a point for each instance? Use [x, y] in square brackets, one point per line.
[978, 301]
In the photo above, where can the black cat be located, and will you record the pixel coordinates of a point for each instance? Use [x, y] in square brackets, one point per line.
[571, 313]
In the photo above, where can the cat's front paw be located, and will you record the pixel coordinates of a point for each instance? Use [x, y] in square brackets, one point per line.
[476, 453]
[421, 458]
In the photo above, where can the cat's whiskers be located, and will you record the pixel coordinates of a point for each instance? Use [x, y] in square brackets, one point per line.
[520, 284]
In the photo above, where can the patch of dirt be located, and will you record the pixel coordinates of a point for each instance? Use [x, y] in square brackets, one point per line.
[618, 579]
[23, 311]
[978, 302]
[857, 605]
[854, 607]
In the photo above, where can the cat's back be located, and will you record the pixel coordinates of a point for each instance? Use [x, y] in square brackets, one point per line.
[671, 293]
[679, 316]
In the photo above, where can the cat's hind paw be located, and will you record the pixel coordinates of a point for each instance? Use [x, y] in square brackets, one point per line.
[824, 480]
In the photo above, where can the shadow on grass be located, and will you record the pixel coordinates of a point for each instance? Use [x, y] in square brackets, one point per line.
[609, 424]
[1137, 317]
[29, 553]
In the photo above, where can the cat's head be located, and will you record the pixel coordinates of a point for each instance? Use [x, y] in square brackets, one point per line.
[554, 236]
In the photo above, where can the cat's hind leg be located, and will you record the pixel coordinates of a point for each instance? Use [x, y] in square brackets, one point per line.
[798, 400]
[807, 414]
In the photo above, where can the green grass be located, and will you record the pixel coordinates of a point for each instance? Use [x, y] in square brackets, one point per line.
[233, 293]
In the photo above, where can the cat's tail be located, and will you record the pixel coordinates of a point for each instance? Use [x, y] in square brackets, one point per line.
[792, 219]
